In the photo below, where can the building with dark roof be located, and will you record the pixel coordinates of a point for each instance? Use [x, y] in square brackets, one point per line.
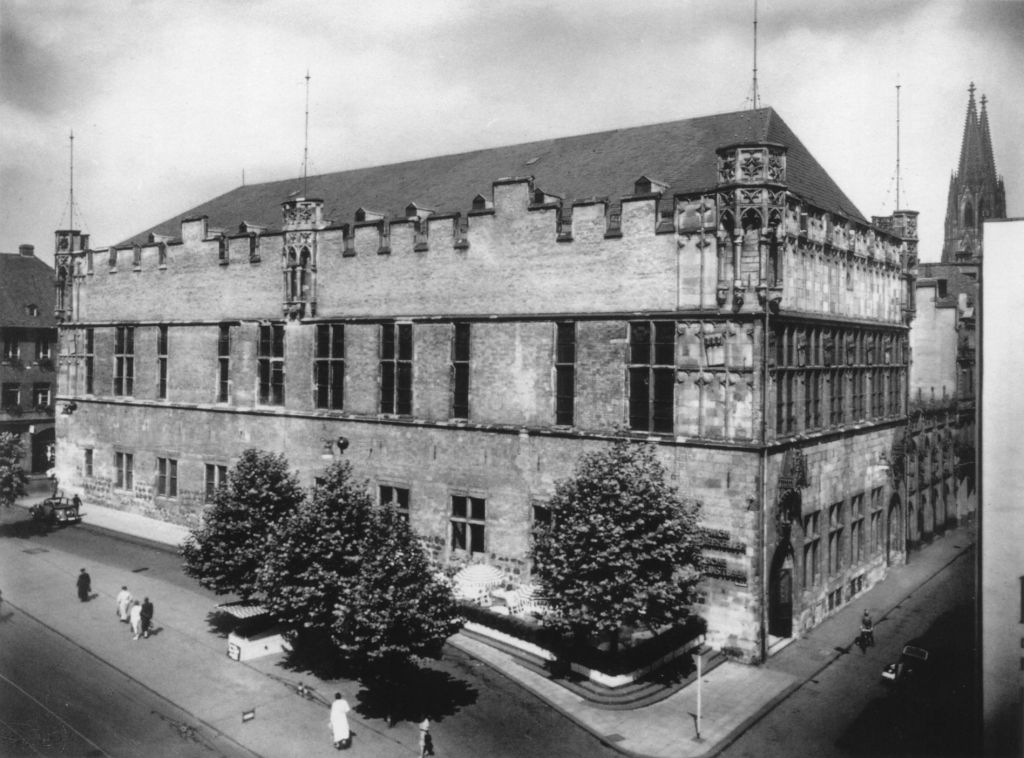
[463, 328]
[28, 336]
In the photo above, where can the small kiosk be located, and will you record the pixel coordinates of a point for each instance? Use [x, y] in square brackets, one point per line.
[256, 633]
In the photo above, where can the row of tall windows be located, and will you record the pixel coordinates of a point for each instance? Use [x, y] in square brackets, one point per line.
[841, 551]
[850, 395]
[820, 393]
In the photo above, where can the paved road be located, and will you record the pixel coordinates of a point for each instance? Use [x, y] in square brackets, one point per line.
[481, 713]
[57, 699]
[846, 709]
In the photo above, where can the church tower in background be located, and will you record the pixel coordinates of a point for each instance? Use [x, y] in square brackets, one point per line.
[975, 190]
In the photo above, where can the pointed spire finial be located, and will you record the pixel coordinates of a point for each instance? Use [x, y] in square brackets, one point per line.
[305, 149]
[971, 90]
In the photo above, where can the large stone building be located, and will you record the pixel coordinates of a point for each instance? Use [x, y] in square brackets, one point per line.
[28, 337]
[464, 328]
[942, 440]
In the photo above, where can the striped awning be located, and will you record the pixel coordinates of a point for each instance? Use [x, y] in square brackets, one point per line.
[243, 610]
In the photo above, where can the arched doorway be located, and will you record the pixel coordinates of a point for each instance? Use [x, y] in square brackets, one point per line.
[780, 593]
[892, 535]
[41, 450]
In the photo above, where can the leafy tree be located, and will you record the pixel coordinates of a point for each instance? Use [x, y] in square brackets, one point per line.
[312, 559]
[400, 607]
[227, 551]
[13, 478]
[620, 549]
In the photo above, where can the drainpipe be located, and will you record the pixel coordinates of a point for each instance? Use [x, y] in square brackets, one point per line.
[763, 495]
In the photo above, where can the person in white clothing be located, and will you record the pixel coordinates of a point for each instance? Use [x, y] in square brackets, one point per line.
[135, 619]
[339, 722]
[124, 601]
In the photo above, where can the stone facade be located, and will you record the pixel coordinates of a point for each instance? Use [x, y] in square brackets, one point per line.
[755, 337]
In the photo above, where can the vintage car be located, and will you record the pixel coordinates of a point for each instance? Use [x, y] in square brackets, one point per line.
[911, 664]
[57, 510]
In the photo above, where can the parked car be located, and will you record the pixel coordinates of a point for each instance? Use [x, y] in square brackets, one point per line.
[913, 661]
[57, 510]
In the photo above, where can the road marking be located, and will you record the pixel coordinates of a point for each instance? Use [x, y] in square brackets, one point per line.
[35, 700]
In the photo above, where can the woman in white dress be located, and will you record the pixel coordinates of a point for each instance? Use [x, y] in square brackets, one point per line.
[339, 722]
[124, 600]
[135, 619]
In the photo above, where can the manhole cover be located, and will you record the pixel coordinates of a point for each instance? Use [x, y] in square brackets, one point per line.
[35, 550]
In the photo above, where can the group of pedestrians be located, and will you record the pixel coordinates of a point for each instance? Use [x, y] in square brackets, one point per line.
[138, 616]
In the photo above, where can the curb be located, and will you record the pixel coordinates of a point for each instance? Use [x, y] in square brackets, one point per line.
[754, 718]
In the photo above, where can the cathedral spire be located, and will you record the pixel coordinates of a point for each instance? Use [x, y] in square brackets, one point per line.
[975, 190]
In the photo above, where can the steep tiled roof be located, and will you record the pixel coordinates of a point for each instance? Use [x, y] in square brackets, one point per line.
[680, 154]
[25, 280]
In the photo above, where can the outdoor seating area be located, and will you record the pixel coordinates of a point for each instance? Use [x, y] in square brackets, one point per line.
[490, 588]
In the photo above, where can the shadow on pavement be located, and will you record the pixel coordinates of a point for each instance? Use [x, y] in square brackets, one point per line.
[422, 693]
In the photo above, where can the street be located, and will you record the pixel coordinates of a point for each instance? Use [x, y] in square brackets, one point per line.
[846, 709]
[61, 697]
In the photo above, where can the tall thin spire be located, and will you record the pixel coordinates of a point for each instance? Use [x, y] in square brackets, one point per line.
[305, 148]
[71, 182]
[754, 99]
[897, 143]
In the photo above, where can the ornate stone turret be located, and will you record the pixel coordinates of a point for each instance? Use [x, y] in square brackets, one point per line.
[975, 190]
[66, 242]
[751, 207]
[303, 217]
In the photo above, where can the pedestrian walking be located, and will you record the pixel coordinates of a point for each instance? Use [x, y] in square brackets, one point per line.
[339, 723]
[135, 619]
[146, 617]
[84, 585]
[124, 601]
[426, 741]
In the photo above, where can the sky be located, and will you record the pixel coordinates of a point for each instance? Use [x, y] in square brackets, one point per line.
[173, 102]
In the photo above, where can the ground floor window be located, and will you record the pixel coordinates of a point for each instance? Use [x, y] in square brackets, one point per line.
[468, 519]
[398, 497]
[167, 477]
[88, 462]
[216, 476]
[124, 470]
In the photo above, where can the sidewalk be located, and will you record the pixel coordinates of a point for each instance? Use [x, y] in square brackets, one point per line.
[216, 690]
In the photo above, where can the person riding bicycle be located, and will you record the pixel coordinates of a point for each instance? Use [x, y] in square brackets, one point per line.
[867, 630]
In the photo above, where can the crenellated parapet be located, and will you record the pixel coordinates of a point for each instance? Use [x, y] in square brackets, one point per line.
[743, 246]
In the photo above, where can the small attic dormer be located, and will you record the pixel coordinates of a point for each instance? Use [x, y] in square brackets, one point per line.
[645, 185]
[365, 214]
[416, 212]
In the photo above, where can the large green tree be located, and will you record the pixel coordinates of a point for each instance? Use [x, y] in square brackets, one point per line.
[229, 548]
[312, 558]
[400, 608]
[620, 549]
[13, 479]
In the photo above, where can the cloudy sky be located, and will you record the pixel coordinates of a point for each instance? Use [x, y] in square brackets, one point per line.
[172, 100]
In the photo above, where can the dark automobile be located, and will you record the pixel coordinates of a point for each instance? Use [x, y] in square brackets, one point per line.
[57, 510]
[912, 663]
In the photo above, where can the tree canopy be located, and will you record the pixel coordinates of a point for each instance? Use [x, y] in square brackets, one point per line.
[13, 479]
[620, 548]
[225, 553]
[400, 607]
[312, 558]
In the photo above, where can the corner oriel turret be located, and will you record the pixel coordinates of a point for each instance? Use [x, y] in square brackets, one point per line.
[751, 207]
[976, 192]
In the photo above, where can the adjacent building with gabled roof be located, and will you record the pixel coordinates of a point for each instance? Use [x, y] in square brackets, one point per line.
[28, 338]
[702, 286]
